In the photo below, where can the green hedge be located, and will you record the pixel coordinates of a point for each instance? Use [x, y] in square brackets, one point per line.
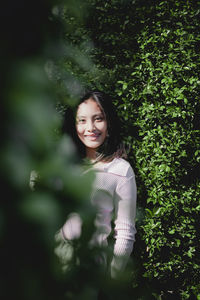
[146, 54]
[162, 95]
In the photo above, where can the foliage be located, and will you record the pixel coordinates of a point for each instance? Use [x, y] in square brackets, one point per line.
[32, 146]
[31, 141]
[164, 87]
[147, 54]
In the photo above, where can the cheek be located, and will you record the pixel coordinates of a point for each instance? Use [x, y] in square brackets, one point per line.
[104, 131]
[102, 127]
[79, 130]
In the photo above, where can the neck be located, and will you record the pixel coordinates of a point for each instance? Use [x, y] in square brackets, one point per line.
[91, 154]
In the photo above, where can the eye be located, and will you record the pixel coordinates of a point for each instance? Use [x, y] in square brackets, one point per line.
[99, 119]
[81, 121]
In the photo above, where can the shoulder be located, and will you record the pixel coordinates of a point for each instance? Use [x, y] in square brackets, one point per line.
[119, 166]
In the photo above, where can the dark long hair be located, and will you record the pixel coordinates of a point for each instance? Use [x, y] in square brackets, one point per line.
[112, 146]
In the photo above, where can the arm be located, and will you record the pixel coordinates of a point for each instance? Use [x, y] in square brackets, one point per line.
[125, 212]
[72, 228]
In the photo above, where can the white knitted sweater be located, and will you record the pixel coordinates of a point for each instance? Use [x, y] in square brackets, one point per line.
[113, 195]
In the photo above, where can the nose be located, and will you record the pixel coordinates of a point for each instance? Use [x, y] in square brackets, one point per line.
[90, 126]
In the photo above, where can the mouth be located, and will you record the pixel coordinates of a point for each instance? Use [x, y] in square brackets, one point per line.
[93, 136]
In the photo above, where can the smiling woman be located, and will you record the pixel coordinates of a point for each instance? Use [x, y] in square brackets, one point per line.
[95, 129]
[91, 126]
[95, 120]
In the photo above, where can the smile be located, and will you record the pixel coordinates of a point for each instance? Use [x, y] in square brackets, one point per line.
[93, 136]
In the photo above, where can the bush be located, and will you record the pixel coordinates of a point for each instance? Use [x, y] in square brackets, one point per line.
[147, 54]
[162, 98]
[30, 141]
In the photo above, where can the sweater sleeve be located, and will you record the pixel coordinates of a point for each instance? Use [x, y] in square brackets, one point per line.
[125, 212]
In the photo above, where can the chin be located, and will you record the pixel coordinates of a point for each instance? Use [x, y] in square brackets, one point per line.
[93, 146]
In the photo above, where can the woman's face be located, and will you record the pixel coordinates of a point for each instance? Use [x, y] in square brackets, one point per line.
[91, 124]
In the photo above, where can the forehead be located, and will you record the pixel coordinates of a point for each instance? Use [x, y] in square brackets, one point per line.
[89, 107]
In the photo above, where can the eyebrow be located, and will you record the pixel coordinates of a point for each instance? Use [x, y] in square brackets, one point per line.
[96, 115]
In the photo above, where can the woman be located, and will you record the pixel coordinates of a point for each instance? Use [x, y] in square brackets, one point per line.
[95, 129]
